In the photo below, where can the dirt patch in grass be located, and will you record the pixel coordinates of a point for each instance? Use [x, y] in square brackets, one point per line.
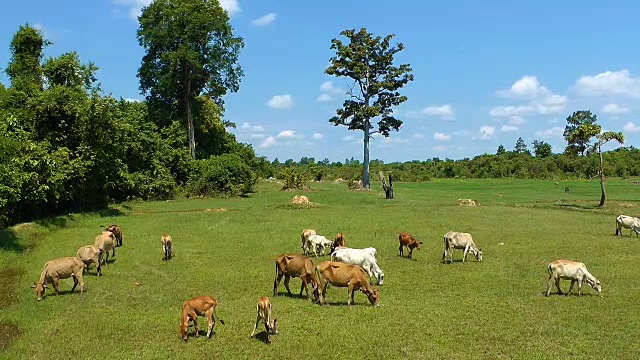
[8, 333]
[9, 279]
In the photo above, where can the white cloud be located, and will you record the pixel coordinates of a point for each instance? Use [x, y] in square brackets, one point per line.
[135, 6]
[614, 109]
[264, 20]
[441, 136]
[487, 132]
[631, 127]
[248, 127]
[287, 134]
[508, 128]
[281, 102]
[348, 138]
[444, 111]
[327, 87]
[517, 120]
[609, 82]
[317, 136]
[541, 100]
[324, 98]
[268, 142]
[231, 6]
[417, 136]
[554, 132]
[257, 136]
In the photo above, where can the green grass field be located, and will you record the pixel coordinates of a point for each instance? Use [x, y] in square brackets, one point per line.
[492, 309]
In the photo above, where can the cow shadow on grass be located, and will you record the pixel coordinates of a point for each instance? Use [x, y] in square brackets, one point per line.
[262, 336]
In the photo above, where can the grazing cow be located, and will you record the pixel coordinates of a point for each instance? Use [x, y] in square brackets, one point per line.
[407, 240]
[339, 242]
[293, 265]
[627, 222]
[117, 233]
[106, 242]
[316, 243]
[570, 270]
[365, 258]
[90, 254]
[167, 246]
[198, 306]
[345, 275]
[264, 314]
[304, 235]
[460, 240]
[61, 268]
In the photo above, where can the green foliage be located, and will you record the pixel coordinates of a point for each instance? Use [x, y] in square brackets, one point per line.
[25, 70]
[581, 127]
[541, 149]
[368, 61]
[293, 179]
[520, 147]
[501, 150]
[226, 174]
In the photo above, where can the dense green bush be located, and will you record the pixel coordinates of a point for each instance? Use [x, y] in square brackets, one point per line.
[226, 174]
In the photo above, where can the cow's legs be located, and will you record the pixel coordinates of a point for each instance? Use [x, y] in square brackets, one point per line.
[401, 249]
[465, 252]
[549, 284]
[579, 286]
[75, 283]
[195, 323]
[351, 288]
[558, 286]
[286, 283]
[255, 327]
[56, 282]
[211, 321]
[276, 282]
[570, 287]
[410, 253]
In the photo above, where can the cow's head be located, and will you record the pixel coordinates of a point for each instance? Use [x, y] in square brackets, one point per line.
[183, 329]
[40, 288]
[595, 284]
[416, 244]
[380, 277]
[274, 326]
[374, 297]
[478, 255]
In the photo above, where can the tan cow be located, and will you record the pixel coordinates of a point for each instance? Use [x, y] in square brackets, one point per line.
[460, 240]
[304, 235]
[293, 265]
[90, 254]
[167, 246]
[345, 275]
[198, 306]
[339, 242]
[106, 242]
[264, 314]
[570, 270]
[117, 233]
[407, 240]
[627, 222]
[61, 268]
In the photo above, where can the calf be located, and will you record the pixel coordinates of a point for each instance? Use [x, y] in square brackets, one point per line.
[315, 243]
[291, 265]
[365, 258]
[117, 233]
[338, 242]
[198, 306]
[345, 275]
[407, 240]
[61, 268]
[304, 235]
[627, 222]
[167, 245]
[264, 314]
[570, 270]
[90, 254]
[106, 242]
[460, 240]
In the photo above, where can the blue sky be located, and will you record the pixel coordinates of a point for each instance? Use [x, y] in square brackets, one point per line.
[485, 72]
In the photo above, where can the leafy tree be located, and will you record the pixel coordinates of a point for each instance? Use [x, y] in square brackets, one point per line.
[25, 69]
[368, 61]
[541, 149]
[581, 127]
[501, 150]
[190, 51]
[603, 138]
[520, 147]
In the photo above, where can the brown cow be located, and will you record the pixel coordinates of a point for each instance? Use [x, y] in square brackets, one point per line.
[117, 233]
[106, 241]
[407, 240]
[293, 265]
[90, 254]
[264, 314]
[167, 245]
[339, 242]
[346, 275]
[61, 268]
[198, 306]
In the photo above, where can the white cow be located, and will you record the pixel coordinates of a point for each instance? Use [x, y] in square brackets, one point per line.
[315, 243]
[365, 258]
[570, 270]
[627, 222]
[460, 240]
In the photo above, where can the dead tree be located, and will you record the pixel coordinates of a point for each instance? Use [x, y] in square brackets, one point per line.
[388, 188]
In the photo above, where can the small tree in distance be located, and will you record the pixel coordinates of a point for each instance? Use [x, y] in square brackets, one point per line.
[368, 61]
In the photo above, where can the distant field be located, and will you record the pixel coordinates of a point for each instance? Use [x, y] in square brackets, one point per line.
[492, 309]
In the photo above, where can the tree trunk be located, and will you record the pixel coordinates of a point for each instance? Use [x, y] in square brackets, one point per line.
[604, 193]
[365, 175]
[388, 188]
[188, 114]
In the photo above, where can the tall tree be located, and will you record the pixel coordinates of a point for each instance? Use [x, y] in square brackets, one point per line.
[190, 51]
[603, 138]
[541, 149]
[25, 69]
[501, 150]
[581, 127]
[368, 61]
[521, 146]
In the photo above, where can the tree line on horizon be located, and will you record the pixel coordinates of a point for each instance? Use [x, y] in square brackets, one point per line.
[66, 146]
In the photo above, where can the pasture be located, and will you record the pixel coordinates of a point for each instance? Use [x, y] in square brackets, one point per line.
[492, 309]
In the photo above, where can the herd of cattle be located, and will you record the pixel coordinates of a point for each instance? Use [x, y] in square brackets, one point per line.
[352, 268]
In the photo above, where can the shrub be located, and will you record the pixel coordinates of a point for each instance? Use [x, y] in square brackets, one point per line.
[226, 175]
[293, 179]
